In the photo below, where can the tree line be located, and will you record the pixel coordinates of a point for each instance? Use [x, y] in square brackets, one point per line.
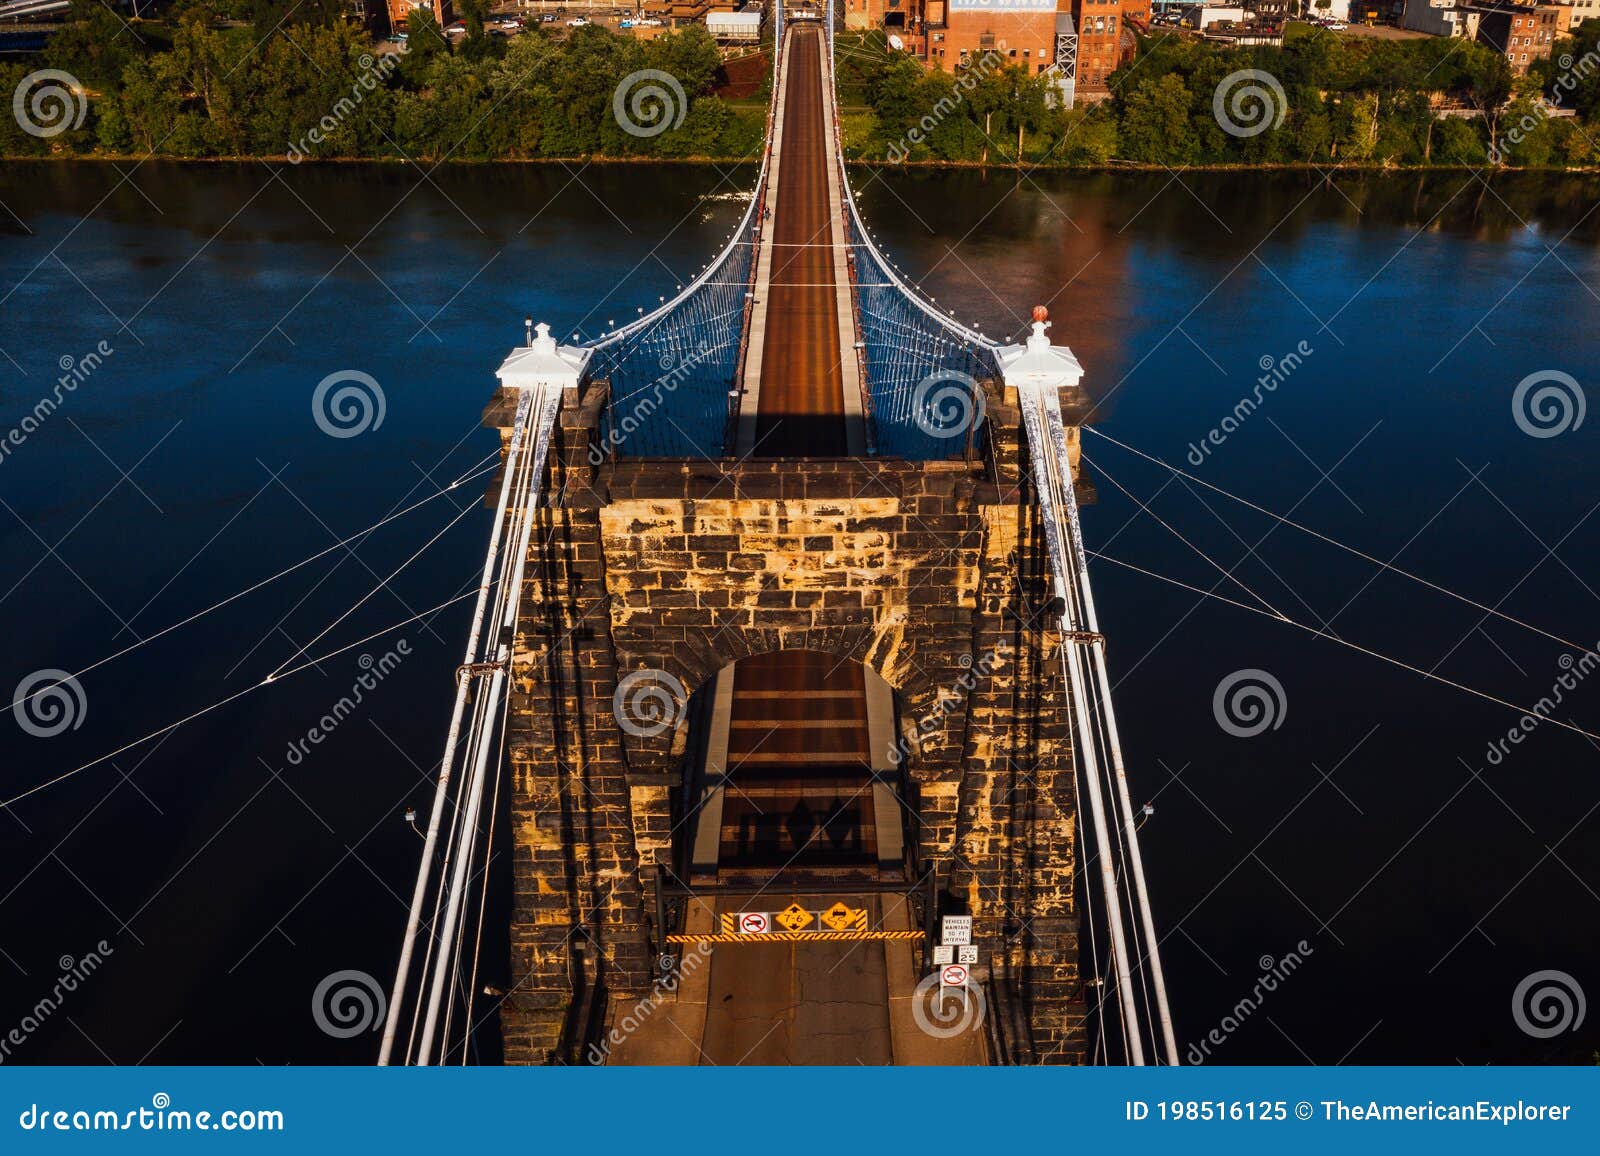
[1320, 99]
[221, 79]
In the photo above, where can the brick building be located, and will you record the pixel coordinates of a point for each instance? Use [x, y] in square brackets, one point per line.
[1020, 32]
[1105, 39]
[1524, 32]
[400, 11]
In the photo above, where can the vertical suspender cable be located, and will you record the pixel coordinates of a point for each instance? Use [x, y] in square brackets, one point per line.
[442, 790]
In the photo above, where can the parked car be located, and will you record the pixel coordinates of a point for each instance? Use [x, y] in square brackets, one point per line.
[577, 22]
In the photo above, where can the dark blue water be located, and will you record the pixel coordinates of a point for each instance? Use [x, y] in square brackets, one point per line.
[228, 881]
[1427, 882]
[229, 876]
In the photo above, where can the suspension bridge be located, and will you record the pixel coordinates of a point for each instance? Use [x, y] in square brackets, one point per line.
[783, 731]
[786, 678]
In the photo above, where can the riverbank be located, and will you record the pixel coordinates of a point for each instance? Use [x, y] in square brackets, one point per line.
[926, 166]
[320, 93]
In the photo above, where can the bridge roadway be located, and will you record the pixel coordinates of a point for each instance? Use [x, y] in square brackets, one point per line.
[791, 799]
[802, 393]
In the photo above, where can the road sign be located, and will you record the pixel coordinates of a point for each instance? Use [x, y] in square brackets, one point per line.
[794, 917]
[842, 917]
[754, 922]
[943, 955]
[965, 954]
[956, 930]
[953, 975]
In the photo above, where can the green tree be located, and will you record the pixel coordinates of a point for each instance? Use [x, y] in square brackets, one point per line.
[1485, 79]
[95, 44]
[1155, 126]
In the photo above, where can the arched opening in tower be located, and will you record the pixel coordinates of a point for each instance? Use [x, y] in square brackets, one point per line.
[796, 776]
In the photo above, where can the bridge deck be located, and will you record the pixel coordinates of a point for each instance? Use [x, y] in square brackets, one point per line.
[804, 394]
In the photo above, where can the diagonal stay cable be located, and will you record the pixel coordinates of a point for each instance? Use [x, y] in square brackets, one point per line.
[1304, 529]
[1144, 507]
[476, 472]
[1356, 646]
[272, 680]
[469, 508]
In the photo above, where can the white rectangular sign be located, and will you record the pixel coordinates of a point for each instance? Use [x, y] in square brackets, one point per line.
[956, 929]
[966, 955]
[943, 955]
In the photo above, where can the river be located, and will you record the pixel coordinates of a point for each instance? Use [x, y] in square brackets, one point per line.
[1393, 877]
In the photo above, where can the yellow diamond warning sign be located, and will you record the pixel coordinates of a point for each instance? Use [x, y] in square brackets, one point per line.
[839, 917]
[794, 918]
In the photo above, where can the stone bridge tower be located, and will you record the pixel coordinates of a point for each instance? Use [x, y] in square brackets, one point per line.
[931, 574]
